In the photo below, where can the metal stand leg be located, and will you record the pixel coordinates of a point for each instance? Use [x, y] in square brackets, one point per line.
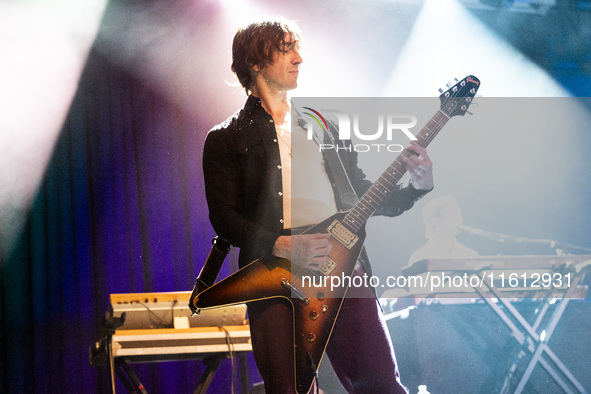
[531, 342]
[111, 362]
[211, 366]
[111, 323]
[544, 349]
[129, 378]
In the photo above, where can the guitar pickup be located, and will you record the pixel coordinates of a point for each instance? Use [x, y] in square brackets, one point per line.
[342, 234]
[328, 266]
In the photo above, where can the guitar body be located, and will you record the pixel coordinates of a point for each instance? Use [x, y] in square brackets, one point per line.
[316, 297]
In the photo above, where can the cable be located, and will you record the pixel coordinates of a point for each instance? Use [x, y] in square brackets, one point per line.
[160, 322]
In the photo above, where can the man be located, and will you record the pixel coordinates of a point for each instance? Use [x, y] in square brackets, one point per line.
[442, 217]
[247, 162]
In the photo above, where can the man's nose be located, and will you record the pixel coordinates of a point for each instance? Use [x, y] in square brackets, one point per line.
[297, 57]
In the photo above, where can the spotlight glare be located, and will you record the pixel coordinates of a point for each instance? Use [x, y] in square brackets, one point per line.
[43, 49]
[461, 45]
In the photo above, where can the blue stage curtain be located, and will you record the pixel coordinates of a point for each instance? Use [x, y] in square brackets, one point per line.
[121, 209]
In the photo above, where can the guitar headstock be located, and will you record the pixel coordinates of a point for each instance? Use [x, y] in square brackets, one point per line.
[457, 99]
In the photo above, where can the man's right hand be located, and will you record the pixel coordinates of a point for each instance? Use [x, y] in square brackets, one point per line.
[306, 250]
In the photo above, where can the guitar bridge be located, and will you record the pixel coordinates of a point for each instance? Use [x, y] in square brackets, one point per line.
[342, 234]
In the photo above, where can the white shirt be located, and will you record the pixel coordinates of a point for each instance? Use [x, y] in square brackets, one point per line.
[308, 197]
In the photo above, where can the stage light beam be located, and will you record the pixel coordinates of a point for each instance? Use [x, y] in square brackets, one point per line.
[447, 41]
[43, 47]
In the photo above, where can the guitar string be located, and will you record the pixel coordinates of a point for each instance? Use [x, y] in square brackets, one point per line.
[395, 172]
[392, 170]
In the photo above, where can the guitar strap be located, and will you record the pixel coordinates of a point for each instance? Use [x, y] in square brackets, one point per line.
[211, 268]
[346, 197]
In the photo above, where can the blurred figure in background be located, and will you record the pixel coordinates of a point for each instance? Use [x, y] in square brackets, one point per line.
[442, 217]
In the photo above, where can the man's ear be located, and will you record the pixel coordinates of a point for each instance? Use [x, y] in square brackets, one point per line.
[256, 68]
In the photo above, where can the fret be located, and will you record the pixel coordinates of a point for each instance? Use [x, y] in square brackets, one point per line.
[453, 102]
[390, 184]
[378, 192]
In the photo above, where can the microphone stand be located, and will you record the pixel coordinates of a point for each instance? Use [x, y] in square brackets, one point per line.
[499, 237]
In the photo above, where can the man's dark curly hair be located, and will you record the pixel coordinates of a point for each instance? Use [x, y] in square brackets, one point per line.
[257, 43]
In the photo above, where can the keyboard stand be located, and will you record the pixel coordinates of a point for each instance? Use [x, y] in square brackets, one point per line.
[120, 348]
[529, 339]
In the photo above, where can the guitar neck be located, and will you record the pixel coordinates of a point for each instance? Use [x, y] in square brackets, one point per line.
[377, 193]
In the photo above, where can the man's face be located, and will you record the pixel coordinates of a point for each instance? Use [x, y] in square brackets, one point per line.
[283, 73]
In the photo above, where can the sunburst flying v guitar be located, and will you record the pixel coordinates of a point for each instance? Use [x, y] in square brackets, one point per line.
[316, 309]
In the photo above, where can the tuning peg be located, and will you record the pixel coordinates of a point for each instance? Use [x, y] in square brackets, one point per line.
[448, 84]
[440, 90]
[475, 105]
[469, 113]
[478, 95]
[455, 79]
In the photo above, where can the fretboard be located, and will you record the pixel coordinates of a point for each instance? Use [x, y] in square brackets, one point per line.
[377, 193]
